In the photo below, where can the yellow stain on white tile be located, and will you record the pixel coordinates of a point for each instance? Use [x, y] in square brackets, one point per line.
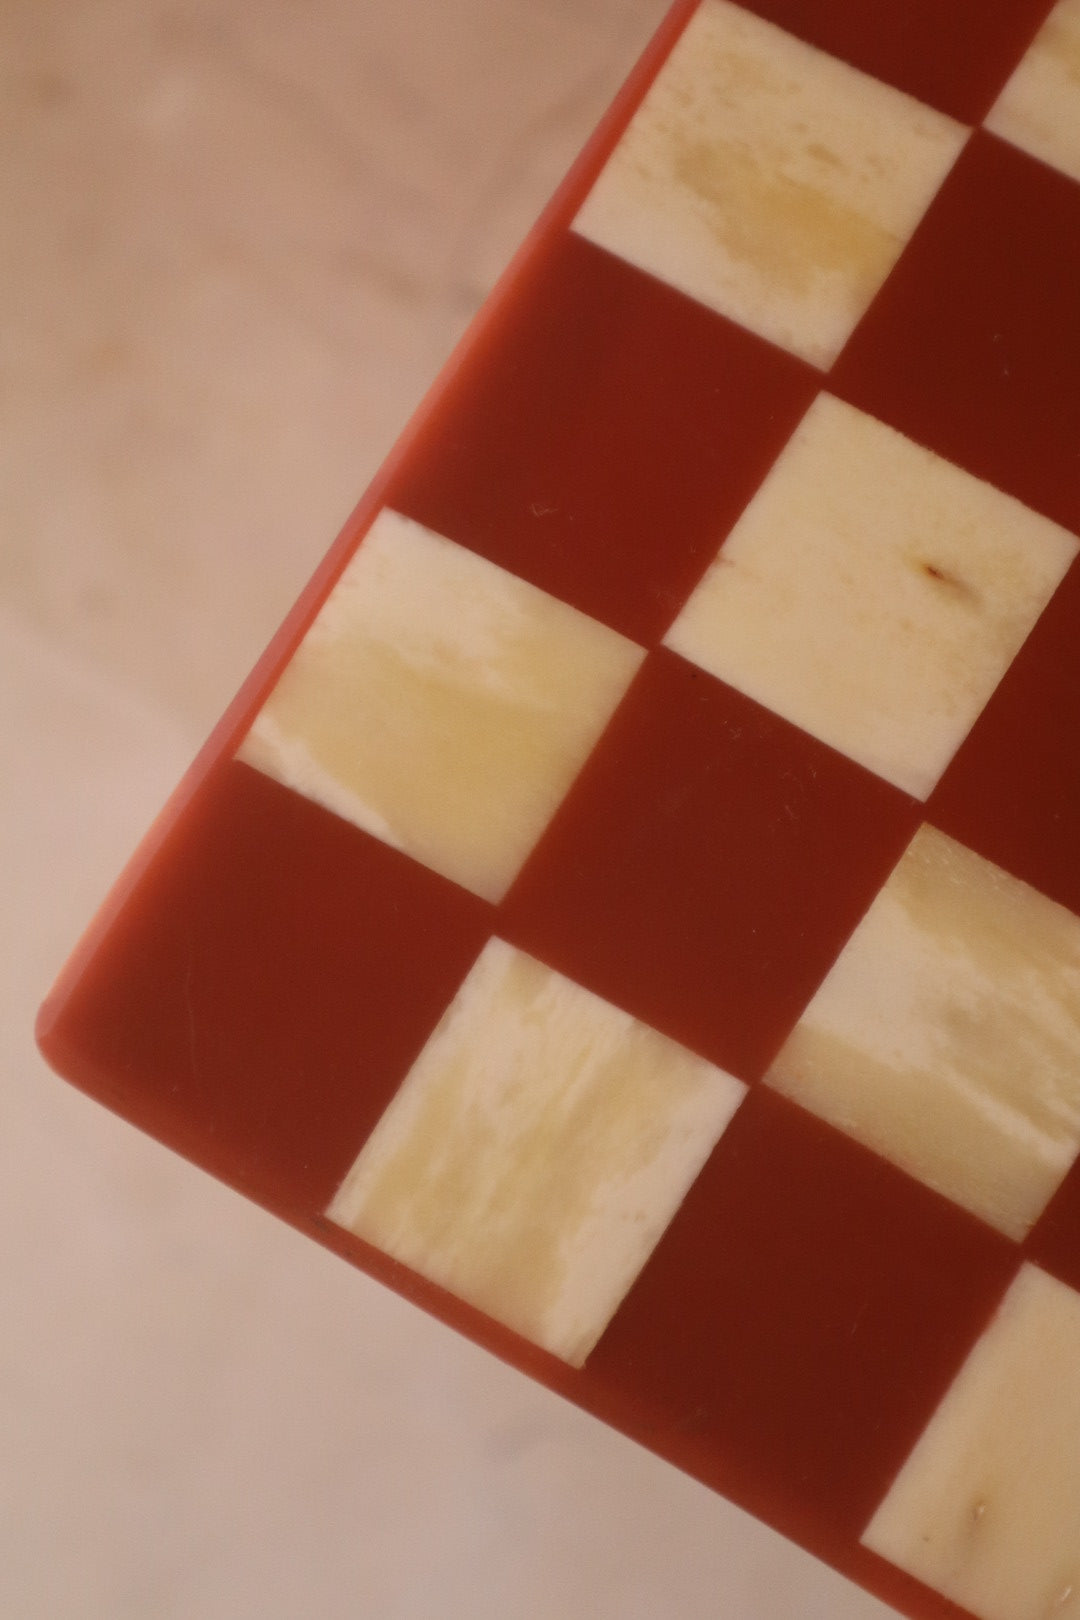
[873, 594]
[947, 1034]
[1039, 108]
[770, 181]
[986, 1510]
[536, 1152]
[442, 704]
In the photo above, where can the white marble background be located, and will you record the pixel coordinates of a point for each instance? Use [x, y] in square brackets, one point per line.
[236, 242]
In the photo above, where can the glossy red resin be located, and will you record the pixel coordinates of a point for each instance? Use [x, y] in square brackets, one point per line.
[608, 443]
[708, 866]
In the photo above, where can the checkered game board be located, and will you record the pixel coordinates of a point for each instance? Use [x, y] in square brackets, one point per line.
[634, 908]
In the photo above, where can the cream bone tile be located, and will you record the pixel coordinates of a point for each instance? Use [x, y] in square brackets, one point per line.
[947, 1034]
[442, 704]
[873, 594]
[1039, 108]
[536, 1152]
[770, 181]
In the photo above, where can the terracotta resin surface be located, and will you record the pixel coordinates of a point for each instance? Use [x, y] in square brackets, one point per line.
[634, 906]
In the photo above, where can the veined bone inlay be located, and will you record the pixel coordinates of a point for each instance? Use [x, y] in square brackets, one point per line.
[770, 181]
[947, 1035]
[442, 704]
[539, 1147]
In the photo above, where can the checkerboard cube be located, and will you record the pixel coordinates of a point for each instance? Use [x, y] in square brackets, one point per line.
[640, 918]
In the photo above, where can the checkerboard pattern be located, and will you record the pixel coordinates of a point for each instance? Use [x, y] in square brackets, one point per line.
[635, 908]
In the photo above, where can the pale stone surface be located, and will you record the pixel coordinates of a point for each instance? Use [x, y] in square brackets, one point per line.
[442, 704]
[537, 1151]
[770, 181]
[1039, 108]
[247, 241]
[986, 1510]
[947, 1034]
[873, 594]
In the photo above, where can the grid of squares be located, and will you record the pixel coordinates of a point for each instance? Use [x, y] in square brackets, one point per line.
[809, 895]
[921, 624]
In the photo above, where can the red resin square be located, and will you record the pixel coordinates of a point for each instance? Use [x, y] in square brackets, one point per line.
[708, 866]
[921, 46]
[1052, 1242]
[269, 984]
[606, 438]
[971, 347]
[1013, 792]
[800, 1320]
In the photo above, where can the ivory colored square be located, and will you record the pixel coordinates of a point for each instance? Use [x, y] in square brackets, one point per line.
[986, 1510]
[536, 1152]
[770, 181]
[1039, 108]
[442, 704]
[873, 594]
[947, 1034]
